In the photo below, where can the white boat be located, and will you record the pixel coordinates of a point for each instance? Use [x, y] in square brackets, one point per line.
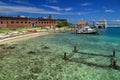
[101, 24]
[86, 30]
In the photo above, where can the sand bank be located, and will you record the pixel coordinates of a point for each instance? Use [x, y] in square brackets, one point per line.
[21, 37]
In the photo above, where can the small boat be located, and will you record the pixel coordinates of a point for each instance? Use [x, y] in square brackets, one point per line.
[83, 28]
[86, 30]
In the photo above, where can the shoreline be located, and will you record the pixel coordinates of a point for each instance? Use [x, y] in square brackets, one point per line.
[31, 35]
[21, 37]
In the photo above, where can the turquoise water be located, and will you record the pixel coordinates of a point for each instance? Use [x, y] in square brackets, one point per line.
[41, 58]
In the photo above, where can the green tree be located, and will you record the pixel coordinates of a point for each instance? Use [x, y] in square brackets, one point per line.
[70, 25]
[61, 24]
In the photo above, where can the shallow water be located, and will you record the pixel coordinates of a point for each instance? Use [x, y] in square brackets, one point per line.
[41, 58]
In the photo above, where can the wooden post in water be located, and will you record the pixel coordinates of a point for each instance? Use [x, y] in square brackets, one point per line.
[75, 48]
[114, 61]
[65, 56]
[114, 53]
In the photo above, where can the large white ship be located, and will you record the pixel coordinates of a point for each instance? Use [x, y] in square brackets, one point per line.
[101, 23]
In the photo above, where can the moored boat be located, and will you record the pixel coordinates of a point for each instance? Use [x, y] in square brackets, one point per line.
[83, 28]
[86, 30]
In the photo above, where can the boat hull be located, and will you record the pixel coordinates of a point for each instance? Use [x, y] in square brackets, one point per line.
[86, 30]
[87, 33]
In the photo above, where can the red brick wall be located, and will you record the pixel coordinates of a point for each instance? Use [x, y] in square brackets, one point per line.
[3, 26]
[16, 22]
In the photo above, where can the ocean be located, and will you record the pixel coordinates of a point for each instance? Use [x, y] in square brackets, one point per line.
[42, 57]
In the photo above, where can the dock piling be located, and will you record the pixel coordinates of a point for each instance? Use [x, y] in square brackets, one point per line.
[75, 49]
[65, 56]
[114, 61]
[114, 52]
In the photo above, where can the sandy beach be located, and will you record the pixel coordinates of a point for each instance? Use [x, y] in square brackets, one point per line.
[21, 37]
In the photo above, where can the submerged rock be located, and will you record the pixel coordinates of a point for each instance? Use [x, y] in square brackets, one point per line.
[2, 45]
[46, 47]
[9, 47]
[31, 52]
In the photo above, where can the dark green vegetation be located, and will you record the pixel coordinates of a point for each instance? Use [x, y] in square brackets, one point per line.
[7, 30]
[66, 24]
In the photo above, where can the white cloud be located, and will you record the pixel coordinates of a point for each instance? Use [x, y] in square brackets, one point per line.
[21, 2]
[109, 10]
[12, 9]
[68, 9]
[58, 8]
[53, 7]
[82, 13]
[117, 20]
[20, 9]
[16, 9]
[86, 4]
[51, 1]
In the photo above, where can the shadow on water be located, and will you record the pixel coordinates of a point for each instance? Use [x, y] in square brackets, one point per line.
[92, 54]
[69, 58]
[94, 64]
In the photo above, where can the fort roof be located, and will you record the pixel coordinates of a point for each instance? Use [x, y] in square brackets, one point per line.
[82, 22]
[23, 18]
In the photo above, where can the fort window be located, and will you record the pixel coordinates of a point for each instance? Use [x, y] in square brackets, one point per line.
[29, 22]
[25, 21]
[12, 22]
[17, 22]
[36, 22]
[1, 22]
[21, 21]
[39, 22]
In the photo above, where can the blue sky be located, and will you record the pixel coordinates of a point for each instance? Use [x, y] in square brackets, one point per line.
[73, 10]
